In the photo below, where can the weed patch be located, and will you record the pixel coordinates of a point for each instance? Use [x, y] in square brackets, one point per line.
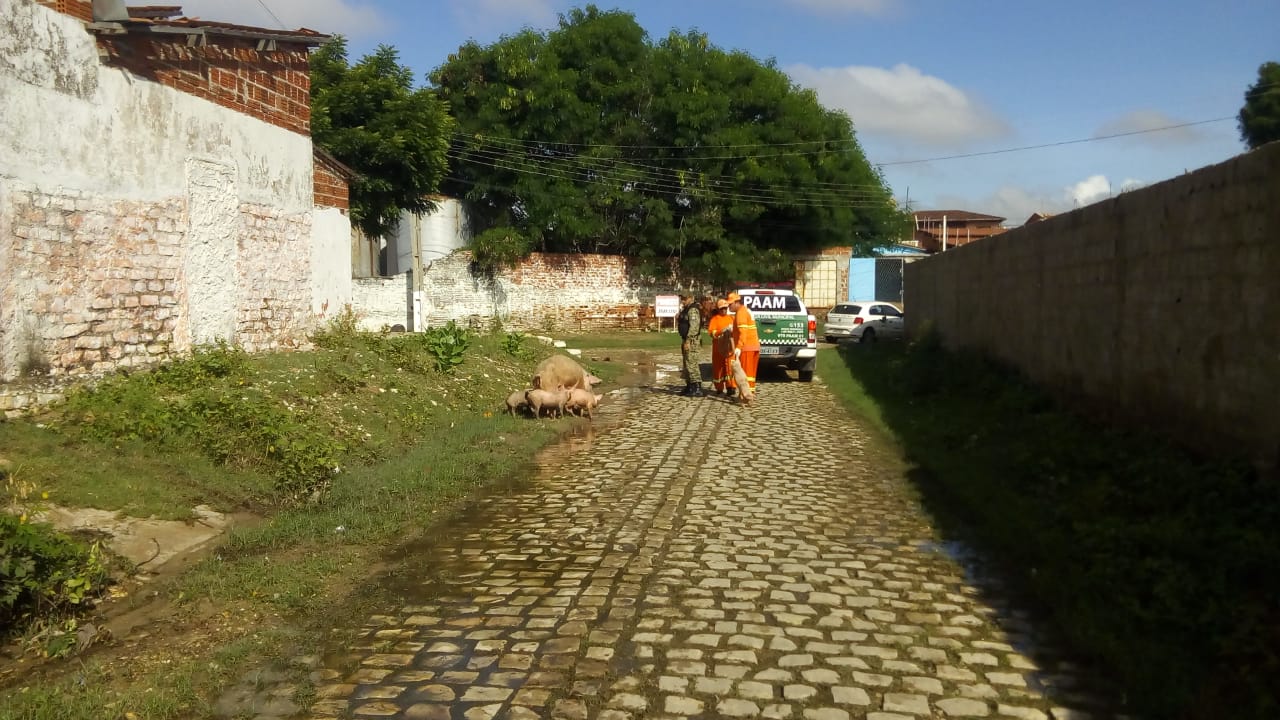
[346, 450]
[1156, 564]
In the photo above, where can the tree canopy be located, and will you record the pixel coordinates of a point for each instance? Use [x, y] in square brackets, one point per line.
[592, 138]
[1260, 116]
[370, 117]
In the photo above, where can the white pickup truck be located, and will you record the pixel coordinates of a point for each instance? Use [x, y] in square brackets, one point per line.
[788, 333]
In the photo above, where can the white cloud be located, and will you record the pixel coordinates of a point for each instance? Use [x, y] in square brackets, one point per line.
[352, 18]
[1144, 121]
[902, 104]
[1091, 189]
[1098, 187]
[1016, 204]
[846, 7]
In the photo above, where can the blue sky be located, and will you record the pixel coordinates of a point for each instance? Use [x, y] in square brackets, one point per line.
[925, 79]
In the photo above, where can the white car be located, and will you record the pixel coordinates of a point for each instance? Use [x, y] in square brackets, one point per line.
[865, 321]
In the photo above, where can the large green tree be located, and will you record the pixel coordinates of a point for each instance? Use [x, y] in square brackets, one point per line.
[593, 138]
[370, 116]
[1260, 116]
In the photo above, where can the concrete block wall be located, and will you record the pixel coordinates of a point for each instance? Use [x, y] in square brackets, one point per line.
[1161, 305]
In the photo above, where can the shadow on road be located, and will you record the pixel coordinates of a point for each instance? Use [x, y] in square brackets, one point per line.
[1154, 566]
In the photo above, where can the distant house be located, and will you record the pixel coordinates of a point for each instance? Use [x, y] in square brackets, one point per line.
[1037, 217]
[879, 277]
[961, 228]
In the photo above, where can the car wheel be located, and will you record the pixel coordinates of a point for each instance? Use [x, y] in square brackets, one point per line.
[868, 335]
[830, 339]
[806, 376]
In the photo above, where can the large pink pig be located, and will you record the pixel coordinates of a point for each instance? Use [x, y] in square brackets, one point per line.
[562, 371]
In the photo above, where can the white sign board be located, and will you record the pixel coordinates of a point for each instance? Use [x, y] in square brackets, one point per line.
[665, 306]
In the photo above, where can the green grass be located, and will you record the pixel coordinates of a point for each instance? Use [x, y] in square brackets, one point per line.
[74, 473]
[626, 339]
[1153, 564]
[410, 438]
[849, 391]
[95, 691]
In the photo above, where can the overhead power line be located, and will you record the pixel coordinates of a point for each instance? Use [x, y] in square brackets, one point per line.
[760, 194]
[545, 152]
[1054, 144]
[273, 15]
[551, 144]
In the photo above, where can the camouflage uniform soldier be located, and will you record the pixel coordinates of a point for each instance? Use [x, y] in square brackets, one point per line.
[689, 323]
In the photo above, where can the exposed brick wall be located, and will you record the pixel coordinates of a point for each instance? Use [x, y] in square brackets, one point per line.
[1160, 305]
[274, 300]
[100, 280]
[271, 85]
[103, 285]
[79, 9]
[274, 86]
[331, 186]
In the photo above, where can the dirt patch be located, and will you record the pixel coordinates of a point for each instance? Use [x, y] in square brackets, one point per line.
[145, 543]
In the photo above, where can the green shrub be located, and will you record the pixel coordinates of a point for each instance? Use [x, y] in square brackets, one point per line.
[513, 344]
[447, 346]
[43, 572]
[341, 329]
[207, 362]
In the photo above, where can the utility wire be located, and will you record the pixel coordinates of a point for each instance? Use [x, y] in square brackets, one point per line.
[273, 15]
[745, 194]
[668, 182]
[545, 151]
[1054, 144]
[549, 144]
[817, 226]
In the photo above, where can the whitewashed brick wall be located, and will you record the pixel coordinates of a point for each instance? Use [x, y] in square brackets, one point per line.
[381, 302]
[137, 220]
[546, 291]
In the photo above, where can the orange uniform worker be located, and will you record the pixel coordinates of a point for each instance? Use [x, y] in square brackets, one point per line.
[721, 329]
[745, 337]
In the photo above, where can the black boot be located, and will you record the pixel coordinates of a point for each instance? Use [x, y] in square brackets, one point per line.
[695, 390]
[687, 391]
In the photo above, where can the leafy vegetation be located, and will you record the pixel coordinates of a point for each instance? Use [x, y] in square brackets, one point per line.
[43, 572]
[414, 423]
[371, 117]
[1259, 118]
[593, 138]
[1154, 563]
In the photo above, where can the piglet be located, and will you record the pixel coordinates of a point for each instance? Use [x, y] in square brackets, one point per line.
[582, 401]
[517, 401]
[550, 400]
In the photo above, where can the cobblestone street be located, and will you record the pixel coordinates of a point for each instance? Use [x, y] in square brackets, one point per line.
[694, 558]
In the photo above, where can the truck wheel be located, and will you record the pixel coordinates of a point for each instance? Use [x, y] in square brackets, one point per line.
[806, 376]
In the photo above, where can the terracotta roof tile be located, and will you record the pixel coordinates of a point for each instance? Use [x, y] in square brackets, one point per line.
[154, 11]
[955, 215]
